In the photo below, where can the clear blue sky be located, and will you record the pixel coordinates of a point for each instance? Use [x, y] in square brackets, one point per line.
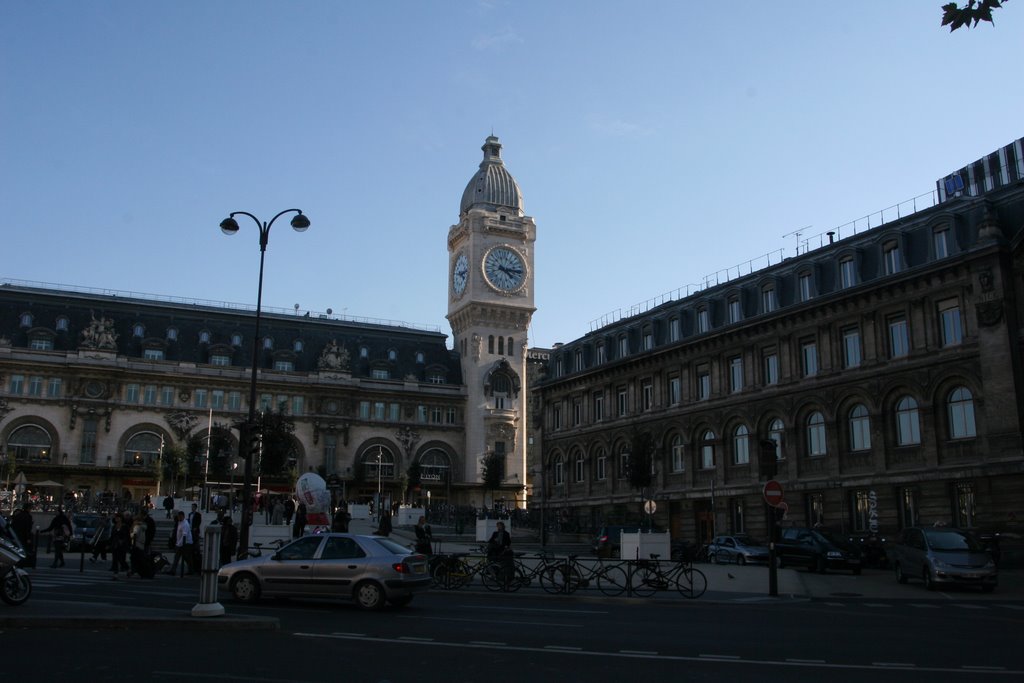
[655, 142]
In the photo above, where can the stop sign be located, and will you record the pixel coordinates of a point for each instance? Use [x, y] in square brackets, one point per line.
[773, 493]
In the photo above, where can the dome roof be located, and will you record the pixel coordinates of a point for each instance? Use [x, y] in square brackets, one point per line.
[492, 187]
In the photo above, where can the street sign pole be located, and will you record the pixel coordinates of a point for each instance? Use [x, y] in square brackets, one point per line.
[773, 496]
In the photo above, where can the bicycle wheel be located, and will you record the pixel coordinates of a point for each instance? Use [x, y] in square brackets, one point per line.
[691, 583]
[612, 580]
[645, 581]
[492, 575]
[560, 578]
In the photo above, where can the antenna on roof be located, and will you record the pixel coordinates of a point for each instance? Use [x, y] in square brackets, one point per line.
[796, 233]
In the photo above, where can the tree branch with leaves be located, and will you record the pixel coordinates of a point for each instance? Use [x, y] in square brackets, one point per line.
[969, 15]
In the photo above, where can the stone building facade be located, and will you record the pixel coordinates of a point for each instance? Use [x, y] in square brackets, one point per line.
[879, 375]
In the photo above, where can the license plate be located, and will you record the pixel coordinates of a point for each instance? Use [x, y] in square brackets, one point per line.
[419, 569]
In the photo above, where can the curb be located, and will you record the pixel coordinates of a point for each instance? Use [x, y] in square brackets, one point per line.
[158, 623]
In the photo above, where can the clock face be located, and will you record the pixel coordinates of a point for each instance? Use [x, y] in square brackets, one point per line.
[504, 269]
[460, 274]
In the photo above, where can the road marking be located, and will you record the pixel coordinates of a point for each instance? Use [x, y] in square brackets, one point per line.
[487, 642]
[416, 638]
[894, 665]
[349, 635]
[876, 604]
[836, 604]
[806, 661]
[533, 609]
[477, 621]
[386, 641]
[563, 648]
[967, 606]
[923, 605]
[639, 652]
[725, 657]
[191, 674]
[983, 668]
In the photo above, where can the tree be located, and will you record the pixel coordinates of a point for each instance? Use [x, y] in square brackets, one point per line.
[413, 479]
[641, 460]
[975, 11]
[492, 471]
[278, 445]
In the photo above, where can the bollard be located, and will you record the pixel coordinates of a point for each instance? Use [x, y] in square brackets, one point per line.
[208, 605]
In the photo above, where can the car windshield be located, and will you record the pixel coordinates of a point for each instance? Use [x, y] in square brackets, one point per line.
[748, 541]
[951, 541]
[391, 546]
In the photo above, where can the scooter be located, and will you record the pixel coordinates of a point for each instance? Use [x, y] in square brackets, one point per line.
[15, 585]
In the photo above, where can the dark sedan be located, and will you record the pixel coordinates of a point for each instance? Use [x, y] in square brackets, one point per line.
[368, 569]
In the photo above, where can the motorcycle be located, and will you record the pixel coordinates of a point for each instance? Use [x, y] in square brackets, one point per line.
[15, 584]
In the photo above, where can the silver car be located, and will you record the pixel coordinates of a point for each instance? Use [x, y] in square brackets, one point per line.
[371, 570]
[943, 556]
[739, 548]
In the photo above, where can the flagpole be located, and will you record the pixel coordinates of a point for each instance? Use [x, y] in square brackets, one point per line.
[206, 470]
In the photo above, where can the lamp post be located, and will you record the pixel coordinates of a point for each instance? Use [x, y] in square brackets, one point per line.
[229, 226]
[380, 500]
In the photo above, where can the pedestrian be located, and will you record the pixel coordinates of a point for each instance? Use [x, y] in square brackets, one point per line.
[60, 528]
[384, 523]
[341, 519]
[21, 524]
[182, 545]
[168, 505]
[424, 537]
[299, 527]
[137, 553]
[277, 517]
[101, 539]
[120, 541]
[289, 510]
[150, 533]
[500, 543]
[228, 541]
[195, 519]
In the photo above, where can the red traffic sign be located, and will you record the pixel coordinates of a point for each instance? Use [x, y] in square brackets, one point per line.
[773, 493]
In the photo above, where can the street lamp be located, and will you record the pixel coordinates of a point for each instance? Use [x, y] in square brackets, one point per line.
[229, 226]
[380, 500]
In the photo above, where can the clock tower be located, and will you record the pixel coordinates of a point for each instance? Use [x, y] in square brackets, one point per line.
[490, 303]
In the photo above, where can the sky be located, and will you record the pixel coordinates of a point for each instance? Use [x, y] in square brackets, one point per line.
[656, 143]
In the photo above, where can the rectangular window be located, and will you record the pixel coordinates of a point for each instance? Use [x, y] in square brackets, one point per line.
[53, 387]
[623, 346]
[87, 453]
[768, 300]
[149, 393]
[598, 406]
[815, 509]
[770, 367]
[965, 510]
[578, 365]
[235, 400]
[131, 393]
[330, 451]
[38, 344]
[284, 365]
[809, 358]
[675, 395]
[394, 412]
[266, 402]
[940, 239]
[859, 510]
[35, 385]
[891, 258]
[647, 340]
[378, 373]
[674, 330]
[220, 359]
[847, 273]
[602, 467]
[623, 402]
[735, 311]
[736, 374]
[364, 410]
[167, 396]
[421, 413]
[678, 456]
[851, 347]
[899, 337]
[556, 416]
[707, 456]
[908, 508]
[434, 378]
[297, 405]
[449, 416]
[201, 398]
[601, 357]
[380, 410]
[952, 330]
[577, 412]
[559, 367]
[17, 385]
[153, 354]
[805, 287]
[703, 320]
[703, 384]
[647, 395]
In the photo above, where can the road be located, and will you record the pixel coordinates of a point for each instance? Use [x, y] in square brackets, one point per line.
[479, 636]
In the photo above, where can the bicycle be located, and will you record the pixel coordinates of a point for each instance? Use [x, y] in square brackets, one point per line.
[451, 571]
[257, 548]
[648, 577]
[570, 575]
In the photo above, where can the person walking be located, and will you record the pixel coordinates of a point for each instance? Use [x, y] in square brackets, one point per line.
[228, 541]
[289, 511]
[169, 505]
[60, 527]
[341, 519]
[137, 553]
[182, 545]
[150, 531]
[195, 520]
[21, 524]
[424, 537]
[299, 527]
[120, 540]
[384, 523]
[277, 516]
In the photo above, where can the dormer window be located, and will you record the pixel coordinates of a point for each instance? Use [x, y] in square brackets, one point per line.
[204, 337]
[623, 346]
[392, 355]
[26, 320]
[364, 352]
[297, 346]
[703, 320]
[236, 339]
[268, 343]
[647, 338]
[847, 273]
[62, 324]
[172, 334]
[674, 329]
[806, 286]
[891, 257]
[419, 357]
[769, 302]
[138, 330]
[735, 310]
[940, 242]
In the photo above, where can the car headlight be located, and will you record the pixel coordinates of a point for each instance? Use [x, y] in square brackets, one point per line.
[939, 564]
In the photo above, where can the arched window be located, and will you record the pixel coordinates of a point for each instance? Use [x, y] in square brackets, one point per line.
[678, 453]
[558, 470]
[364, 352]
[142, 450]
[434, 466]
[501, 387]
[600, 465]
[26, 320]
[816, 434]
[775, 432]
[204, 337]
[297, 346]
[419, 357]
[581, 467]
[707, 450]
[236, 339]
[378, 461]
[860, 428]
[741, 445]
[62, 324]
[961, 414]
[268, 343]
[138, 330]
[29, 444]
[392, 355]
[623, 461]
[908, 422]
[501, 346]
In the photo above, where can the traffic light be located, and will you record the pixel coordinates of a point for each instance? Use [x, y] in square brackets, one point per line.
[767, 461]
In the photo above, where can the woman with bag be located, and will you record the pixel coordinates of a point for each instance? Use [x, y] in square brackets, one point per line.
[60, 527]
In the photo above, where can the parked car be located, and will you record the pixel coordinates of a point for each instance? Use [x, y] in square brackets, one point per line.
[944, 556]
[608, 539]
[816, 549]
[83, 528]
[371, 570]
[738, 549]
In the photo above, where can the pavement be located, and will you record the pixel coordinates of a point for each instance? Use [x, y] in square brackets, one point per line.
[726, 584]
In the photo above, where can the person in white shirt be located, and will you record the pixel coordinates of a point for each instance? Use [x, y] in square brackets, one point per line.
[182, 545]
